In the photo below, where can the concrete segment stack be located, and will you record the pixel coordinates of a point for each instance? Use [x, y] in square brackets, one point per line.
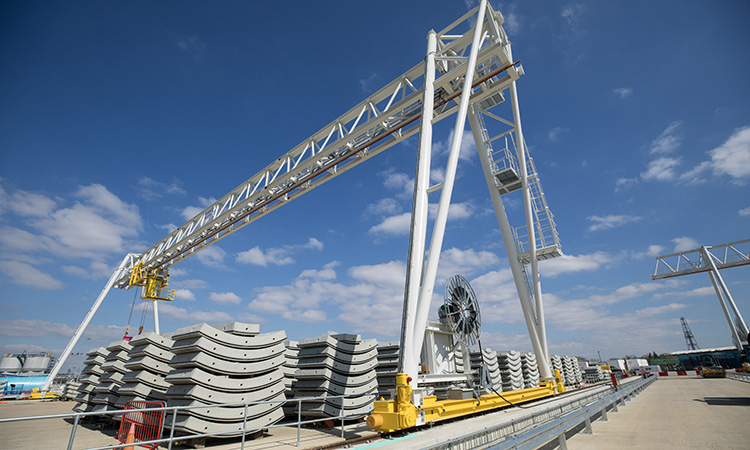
[489, 359]
[388, 353]
[227, 363]
[341, 364]
[289, 367]
[530, 370]
[112, 376]
[556, 364]
[147, 366]
[70, 390]
[571, 370]
[593, 374]
[511, 371]
[90, 379]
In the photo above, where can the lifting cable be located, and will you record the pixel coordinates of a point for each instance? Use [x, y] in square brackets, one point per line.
[143, 317]
[130, 316]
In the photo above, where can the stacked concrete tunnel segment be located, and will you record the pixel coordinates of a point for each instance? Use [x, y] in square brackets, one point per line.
[337, 365]
[111, 379]
[227, 363]
[147, 368]
[530, 370]
[90, 375]
[205, 367]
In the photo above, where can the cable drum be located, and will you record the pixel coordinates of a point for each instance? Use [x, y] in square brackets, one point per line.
[460, 310]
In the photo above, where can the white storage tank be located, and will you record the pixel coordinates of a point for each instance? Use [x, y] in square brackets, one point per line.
[37, 362]
[10, 363]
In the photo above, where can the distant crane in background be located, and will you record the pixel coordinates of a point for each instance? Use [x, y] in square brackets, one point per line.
[689, 338]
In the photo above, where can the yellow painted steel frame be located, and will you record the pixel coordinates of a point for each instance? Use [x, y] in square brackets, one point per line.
[399, 414]
[153, 283]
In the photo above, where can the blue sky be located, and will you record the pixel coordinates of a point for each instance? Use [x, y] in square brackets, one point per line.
[119, 121]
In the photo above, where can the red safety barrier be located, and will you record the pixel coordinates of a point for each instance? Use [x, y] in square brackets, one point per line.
[146, 424]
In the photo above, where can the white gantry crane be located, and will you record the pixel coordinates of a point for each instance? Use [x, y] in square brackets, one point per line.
[711, 259]
[466, 73]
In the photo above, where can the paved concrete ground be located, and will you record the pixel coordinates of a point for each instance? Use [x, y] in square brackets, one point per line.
[677, 413]
[674, 412]
[54, 434]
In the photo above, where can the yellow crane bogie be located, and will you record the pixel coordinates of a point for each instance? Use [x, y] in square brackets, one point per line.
[400, 414]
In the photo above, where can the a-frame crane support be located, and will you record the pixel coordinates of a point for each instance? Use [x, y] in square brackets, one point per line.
[464, 73]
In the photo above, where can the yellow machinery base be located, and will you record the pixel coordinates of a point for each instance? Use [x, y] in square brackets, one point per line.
[399, 414]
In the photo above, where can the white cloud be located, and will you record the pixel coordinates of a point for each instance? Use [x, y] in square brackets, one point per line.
[394, 225]
[390, 274]
[184, 294]
[745, 212]
[21, 240]
[212, 256]
[191, 211]
[188, 284]
[572, 13]
[611, 221]
[697, 292]
[669, 139]
[694, 175]
[99, 334]
[96, 270]
[512, 23]
[387, 206]
[654, 310]
[464, 262]
[555, 133]
[625, 183]
[193, 316]
[733, 157]
[257, 257]
[375, 291]
[193, 46]
[456, 211]
[466, 151]
[93, 227]
[367, 84]
[569, 263]
[150, 189]
[400, 182]
[328, 272]
[623, 92]
[225, 297]
[280, 256]
[27, 204]
[684, 243]
[661, 169]
[27, 275]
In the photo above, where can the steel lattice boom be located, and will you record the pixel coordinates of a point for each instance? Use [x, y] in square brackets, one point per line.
[377, 123]
[733, 254]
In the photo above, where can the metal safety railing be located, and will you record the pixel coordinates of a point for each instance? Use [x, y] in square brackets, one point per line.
[741, 376]
[171, 412]
[540, 427]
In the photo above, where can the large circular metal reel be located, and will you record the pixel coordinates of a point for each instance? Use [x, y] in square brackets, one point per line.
[460, 310]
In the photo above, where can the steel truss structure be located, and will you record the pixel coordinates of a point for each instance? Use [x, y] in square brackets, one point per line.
[711, 259]
[465, 73]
